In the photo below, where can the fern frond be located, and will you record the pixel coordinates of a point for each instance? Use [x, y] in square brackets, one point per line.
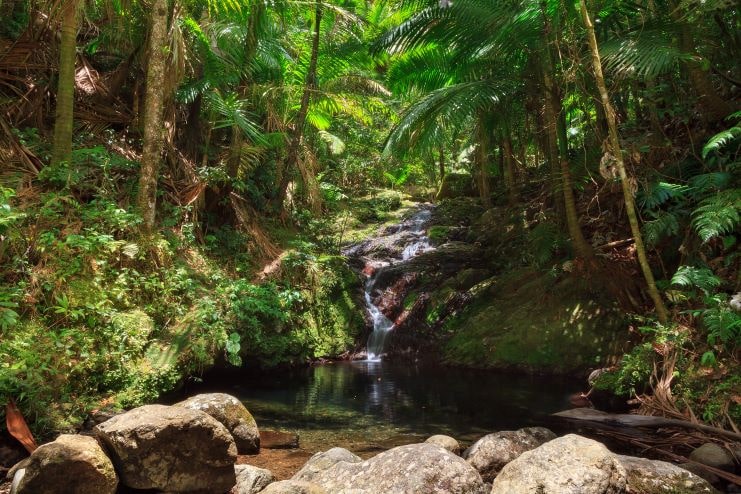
[692, 277]
[719, 140]
[665, 224]
[660, 192]
[718, 215]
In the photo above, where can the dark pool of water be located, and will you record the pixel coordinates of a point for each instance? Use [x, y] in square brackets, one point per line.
[375, 405]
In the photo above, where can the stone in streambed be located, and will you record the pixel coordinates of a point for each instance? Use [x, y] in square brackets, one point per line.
[414, 468]
[324, 460]
[232, 414]
[446, 442]
[279, 440]
[173, 449]
[251, 479]
[294, 487]
[70, 464]
[567, 465]
[659, 477]
[492, 452]
[713, 455]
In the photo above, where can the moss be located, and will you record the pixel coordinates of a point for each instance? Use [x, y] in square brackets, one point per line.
[531, 321]
[438, 234]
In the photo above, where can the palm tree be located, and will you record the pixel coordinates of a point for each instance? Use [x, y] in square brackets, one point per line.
[62, 144]
[153, 113]
[618, 156]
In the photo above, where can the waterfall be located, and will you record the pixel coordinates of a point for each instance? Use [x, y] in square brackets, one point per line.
[415, 242]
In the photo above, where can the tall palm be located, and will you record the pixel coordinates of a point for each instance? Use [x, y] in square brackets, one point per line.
[62, 144]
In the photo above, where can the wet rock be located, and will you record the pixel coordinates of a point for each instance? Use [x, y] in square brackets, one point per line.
[701, 472]
[492, 452]
[294, 487]
[322, 461]
[567, 465]
[232, 414]
[713, 455]
[70, 464]
[422, 468]
[279, 440]
[659, 477]
[173, 449]
[446, 442]
[251, 480]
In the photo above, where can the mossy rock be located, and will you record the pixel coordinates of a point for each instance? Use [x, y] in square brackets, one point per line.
[530, 321]
[456, 185]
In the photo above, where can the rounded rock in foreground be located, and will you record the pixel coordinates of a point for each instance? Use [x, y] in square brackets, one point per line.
[171, 449]
[567, 465]
[251, 479]
[492, 452]
[232, 414]
[659, 477]
[293, 487]
[446, 442]
[70, 464]
[324, 460]
[414, 468]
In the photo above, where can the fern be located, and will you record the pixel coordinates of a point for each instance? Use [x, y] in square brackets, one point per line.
[545, 239]
[719, 140]
[692, 277]
[665, 223]
[700, 185]
[660, 192]
[717, 215]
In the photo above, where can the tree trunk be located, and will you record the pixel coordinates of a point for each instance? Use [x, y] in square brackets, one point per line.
[62, 147]
[482, 162]
[153, 115]
[298, 130]
[615, 143]
[509, 169]
[712, 106]
[441, 163]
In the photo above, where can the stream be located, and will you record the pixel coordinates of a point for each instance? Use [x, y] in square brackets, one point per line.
[378, 403]
[373, 406]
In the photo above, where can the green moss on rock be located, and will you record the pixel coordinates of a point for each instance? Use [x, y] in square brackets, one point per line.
[528, 320]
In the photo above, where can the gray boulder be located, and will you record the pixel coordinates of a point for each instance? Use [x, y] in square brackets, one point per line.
[713, 455]
[251, 479]
[232, 414]
[445, 442]
[567, 465]
[293, 487]
[414, 468]
[172, 449]
[492, 452]
[659, 477]
[322, 461]
[71, 463]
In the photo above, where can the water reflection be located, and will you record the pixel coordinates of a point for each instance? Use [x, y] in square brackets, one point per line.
[367, 402]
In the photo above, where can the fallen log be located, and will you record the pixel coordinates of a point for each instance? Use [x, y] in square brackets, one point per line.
[630, 420]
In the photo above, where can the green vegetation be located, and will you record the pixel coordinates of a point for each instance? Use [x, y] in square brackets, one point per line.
[177, 194]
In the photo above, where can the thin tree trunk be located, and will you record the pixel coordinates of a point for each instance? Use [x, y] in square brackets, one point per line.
[298, 130]
[615, 143]
[482, 160]
[62, 147]
[441, 163]
[509, 169]
[153, 115]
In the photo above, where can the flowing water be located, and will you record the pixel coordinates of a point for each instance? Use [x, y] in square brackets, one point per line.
[369, 406]
[417, 242]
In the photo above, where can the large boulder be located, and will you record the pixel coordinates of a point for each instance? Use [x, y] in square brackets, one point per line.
[172, 449]
[324, 460]
[445, 442]
[492, 452]
[251, 479]
[71, 463]
[423, 468]
[232, 414]
[568, 465]
[659, 477]
[293, 487]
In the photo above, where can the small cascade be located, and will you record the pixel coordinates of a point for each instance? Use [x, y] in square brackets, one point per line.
[415, 242]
